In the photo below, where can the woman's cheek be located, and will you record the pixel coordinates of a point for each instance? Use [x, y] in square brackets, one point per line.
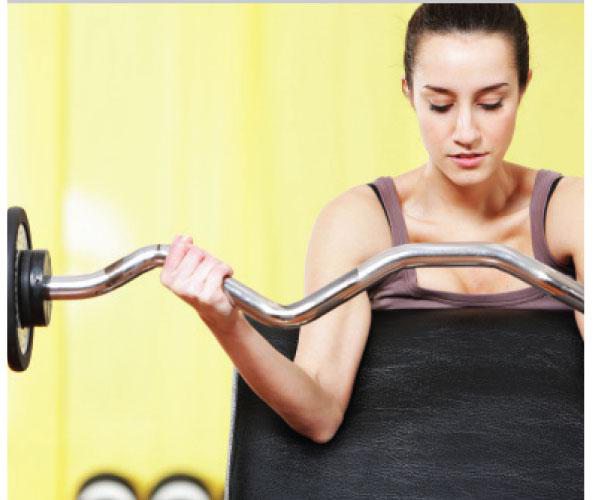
[499, 131]
[435, 133]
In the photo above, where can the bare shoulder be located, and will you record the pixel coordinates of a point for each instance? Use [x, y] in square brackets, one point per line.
[358, 204]
[352, 226]
[564, 219]
[356, 217]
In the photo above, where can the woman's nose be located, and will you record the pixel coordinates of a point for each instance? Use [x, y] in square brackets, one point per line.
[466, 133]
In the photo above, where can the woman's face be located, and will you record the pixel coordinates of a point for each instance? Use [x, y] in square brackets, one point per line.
[465, 93]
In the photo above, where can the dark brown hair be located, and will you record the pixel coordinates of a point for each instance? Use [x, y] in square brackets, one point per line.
[505, 19]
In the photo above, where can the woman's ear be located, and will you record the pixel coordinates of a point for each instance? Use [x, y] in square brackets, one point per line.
[407, 91]
[529, 75]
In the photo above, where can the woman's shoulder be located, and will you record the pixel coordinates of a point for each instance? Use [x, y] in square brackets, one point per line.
[355, 218]
[564, 212]
[354, 201]
[564, 219]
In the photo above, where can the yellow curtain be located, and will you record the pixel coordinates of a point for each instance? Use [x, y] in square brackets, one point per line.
[129, 124]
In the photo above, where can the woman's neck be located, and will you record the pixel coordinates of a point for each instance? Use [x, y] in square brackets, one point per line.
[437, 196]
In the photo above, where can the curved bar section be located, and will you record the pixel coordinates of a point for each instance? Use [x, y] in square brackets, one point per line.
[108, 279]
[501, 257]
[311, 307]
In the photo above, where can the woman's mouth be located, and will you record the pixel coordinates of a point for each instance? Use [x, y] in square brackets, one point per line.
[468, 160]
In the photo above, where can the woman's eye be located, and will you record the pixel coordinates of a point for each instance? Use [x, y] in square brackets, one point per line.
[439, 109]
[443, 109]
[491, 107]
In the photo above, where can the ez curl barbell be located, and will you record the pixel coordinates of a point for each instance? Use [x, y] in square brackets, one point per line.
[31, 288]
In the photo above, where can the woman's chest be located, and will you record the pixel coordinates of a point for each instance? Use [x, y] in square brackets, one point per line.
[513, 231]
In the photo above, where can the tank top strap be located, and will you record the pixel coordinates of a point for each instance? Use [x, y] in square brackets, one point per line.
[393, 210]
[545, 183]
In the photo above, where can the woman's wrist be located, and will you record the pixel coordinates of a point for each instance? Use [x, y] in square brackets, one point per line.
[229, 326]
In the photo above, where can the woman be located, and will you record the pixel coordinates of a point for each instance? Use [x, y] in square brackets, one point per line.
[466, 71]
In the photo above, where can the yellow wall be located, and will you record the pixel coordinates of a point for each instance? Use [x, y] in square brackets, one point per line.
[233, 123]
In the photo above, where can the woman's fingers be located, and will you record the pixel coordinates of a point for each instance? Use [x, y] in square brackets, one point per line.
[190, 262]
[212, 290]
[197, 278]
[178, 250]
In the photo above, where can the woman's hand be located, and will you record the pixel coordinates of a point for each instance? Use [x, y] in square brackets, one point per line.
[197, 278]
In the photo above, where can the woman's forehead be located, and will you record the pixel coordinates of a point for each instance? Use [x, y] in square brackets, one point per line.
[464, 61]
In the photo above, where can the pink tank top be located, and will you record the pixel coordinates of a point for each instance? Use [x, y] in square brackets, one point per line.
[400, 290]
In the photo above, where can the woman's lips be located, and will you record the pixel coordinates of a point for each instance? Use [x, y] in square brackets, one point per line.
[468, 160]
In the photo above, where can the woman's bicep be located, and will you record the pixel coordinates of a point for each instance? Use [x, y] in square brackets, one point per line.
[331, 347]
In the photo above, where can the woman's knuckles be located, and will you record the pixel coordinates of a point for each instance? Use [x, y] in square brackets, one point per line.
[225, 269]
[196, 277]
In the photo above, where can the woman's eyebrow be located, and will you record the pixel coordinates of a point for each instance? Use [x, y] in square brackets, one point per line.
[489, 88]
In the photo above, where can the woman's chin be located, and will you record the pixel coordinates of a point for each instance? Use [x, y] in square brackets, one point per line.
[471, 176]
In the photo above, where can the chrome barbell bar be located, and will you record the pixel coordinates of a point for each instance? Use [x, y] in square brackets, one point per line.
[311, 307]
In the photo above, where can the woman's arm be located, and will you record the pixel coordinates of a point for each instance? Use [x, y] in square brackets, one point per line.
[564, 228]
[577, 244]
[310, 393]
[351, 229]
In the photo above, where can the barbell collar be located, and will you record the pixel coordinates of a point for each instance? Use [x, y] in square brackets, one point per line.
[35, 309]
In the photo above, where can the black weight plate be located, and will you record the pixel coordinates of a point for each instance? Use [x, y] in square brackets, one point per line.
[19, 341]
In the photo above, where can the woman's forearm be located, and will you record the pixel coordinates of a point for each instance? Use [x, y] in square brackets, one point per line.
[282, 384]
[197, 278]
